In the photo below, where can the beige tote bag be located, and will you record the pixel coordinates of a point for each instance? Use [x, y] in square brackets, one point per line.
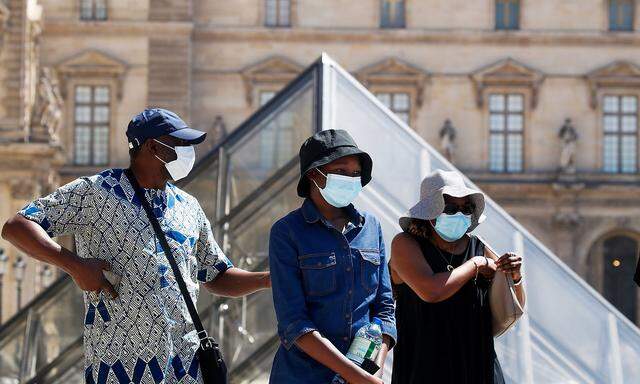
[505, 307]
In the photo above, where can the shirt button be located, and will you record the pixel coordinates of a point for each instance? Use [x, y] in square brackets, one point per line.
[348, 269]
[345, 338]
[350, 292]
[346, 316]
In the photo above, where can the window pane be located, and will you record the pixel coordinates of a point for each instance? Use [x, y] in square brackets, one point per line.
[403, 116]
[385, 98]
[265, 96]
[82, 144]
[515, 103]
[83, 114]
[610, 104]
[284, 12]
[610, 163]
[514, 157]
[101, 114]
[514, 122]
[611, 123]
[496, 103]
[496, 122]
[629, 152]
[100, 145]
[271, 12]
[86, 9]
[630, 104]
[500, 15]
[496, 153]
[101, 94]
[629, 123]
[401, 102]
[83, 94]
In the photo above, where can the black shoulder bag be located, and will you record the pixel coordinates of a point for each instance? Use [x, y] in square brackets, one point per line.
[212, 366]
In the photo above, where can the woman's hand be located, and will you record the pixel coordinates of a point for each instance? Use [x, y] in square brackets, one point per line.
[486, 266]
[510, 263]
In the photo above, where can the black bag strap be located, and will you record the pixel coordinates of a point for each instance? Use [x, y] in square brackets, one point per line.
[206, 342]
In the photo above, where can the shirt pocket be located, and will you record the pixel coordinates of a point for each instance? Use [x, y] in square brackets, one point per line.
[369, 268]
[318, 273]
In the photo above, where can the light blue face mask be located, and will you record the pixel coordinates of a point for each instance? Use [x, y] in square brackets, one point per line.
[340, 190]
[452, 227]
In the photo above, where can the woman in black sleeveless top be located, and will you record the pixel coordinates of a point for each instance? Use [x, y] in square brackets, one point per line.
[441, 280]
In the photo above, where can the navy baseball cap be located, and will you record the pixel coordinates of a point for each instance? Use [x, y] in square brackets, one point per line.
[155, 122]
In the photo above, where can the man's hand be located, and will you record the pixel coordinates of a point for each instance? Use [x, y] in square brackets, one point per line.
[87, 274]
[510, 263]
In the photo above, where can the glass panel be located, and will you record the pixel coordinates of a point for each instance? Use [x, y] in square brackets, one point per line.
[629, 154]
[514, 122]
[629, 123]
[629, 104]
[101, 114]
[101, 9]
[610, 153]
[515, 103]
[83, 94]
[385, 98]
[290, 124]
[101, 94]
[271, 11]
[58, 325]
[403, 116]
[611, 123]
[83, 114]
[284, 12]
[265, 96]
[401, 102]
[496, 153]
[567, 330]
[100, 145]
[86, 9]
[610, 104]
[514, 160]
[11, 354]
[82, 144]
[496, 122]
[496, 103]
[204, 187]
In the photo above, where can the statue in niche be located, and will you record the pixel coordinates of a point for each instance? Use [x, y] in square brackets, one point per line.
[568, 138]
[219, 129]
[447, 140]
[49, 106]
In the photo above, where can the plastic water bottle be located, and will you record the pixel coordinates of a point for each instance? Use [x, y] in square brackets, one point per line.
[367, 342]
[366, 345]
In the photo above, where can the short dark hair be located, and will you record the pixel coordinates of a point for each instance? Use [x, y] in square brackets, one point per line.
[420, 228]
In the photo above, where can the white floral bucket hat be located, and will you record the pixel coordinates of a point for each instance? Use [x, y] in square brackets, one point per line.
[432, 191]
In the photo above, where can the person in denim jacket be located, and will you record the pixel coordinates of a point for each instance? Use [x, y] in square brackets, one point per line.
[328, 268]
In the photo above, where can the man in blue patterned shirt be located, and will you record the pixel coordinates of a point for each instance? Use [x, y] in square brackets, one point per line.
[140, 330]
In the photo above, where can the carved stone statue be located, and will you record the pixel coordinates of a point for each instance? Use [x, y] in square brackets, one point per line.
[48, 108]
[568, 137]
[447, 140]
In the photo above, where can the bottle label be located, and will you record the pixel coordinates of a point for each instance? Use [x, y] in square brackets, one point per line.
[360, 349]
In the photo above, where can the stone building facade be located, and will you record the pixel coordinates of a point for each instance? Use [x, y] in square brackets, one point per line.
[541, 98]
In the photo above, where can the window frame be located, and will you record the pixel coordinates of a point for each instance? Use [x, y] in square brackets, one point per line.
[619, 25]
[500, 25]
[393, 92]
[278, 18]
[94, 10]
[393, 24]
[619, 133]
[92, 125]
[504, 132]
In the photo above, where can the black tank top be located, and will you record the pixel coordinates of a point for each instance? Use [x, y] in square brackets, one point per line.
[450, 341]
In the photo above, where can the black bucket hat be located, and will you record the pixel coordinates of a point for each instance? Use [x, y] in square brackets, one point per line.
[325, 147]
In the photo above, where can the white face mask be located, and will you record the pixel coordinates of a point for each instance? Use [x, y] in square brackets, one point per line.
[182, 165]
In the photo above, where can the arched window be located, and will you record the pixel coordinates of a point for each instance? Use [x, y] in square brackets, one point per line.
[620, 258]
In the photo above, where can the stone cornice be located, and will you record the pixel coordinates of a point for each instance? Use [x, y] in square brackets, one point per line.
[506, 73]
[117, 28]
[441, 36]
[619, 74]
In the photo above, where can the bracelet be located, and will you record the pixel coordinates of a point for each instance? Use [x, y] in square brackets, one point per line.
[475, 279]
[518, 282]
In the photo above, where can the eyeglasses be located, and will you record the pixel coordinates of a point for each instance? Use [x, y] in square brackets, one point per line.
[452, 209]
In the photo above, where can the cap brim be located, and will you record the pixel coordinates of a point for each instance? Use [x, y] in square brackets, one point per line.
[192, 136]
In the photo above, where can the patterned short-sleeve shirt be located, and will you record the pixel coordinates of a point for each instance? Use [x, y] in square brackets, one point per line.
[145, 335]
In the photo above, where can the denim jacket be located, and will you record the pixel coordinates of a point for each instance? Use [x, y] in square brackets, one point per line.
[327, 281]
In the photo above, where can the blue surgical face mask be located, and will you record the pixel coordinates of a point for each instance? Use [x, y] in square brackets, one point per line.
[452, 227]
[340, 190]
